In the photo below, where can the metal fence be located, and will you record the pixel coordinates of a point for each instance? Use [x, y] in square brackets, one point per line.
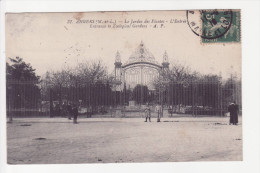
[201, 97]
[209, 98]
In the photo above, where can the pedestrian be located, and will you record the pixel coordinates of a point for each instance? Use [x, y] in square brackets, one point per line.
[147, 113]
[233, 110]
[75, 113]
[69, 110]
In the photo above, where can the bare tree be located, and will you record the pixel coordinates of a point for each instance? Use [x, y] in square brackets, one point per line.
[91, 72]
[177, 73]
[180, 73]
[81, 75]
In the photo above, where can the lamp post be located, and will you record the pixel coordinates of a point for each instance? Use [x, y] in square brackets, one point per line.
[162, 86]
[159, 109]
[114, 85]
[49, 86]
[51, 103]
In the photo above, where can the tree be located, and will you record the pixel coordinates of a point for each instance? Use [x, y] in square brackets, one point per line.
[208, 90]
[174, 83]
[126, 95]
[179, 73]
[19, 70]
[86, 82]
[22, 85]
[91, 72]
[55, 82]
[232, 90]
[141, 94]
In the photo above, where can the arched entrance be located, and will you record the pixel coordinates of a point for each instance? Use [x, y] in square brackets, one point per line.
[140, 70]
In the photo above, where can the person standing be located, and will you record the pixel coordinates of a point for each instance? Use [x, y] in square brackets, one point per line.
[75, 113]
[235, 114]
[230, 115]
[233, 110]
[147, 113]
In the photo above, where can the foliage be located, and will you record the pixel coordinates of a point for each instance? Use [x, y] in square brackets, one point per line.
[87, 81]
[22, 84]
[179, 73]
[19, 70]
[232, 91]
[141, 94]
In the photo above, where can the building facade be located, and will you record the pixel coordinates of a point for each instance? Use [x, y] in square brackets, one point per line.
[141, 68]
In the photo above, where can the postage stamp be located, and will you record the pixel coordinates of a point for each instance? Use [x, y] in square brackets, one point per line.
[215, 26]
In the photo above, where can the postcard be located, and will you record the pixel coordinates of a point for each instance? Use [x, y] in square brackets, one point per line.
[124, 87]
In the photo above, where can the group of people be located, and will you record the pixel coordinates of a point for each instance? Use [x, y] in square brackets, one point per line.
[233, 109]
[158, 110]
[70, 110]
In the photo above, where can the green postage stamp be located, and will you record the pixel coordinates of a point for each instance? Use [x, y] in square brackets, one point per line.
[215, 26]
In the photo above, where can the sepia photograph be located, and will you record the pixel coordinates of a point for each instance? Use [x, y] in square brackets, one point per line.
[124, 87]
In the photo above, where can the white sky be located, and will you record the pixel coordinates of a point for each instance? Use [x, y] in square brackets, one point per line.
[45, 41]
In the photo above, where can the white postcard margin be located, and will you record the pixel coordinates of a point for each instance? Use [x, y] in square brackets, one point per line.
[250, 85]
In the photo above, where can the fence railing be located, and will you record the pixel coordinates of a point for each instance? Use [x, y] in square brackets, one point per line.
[27, 98]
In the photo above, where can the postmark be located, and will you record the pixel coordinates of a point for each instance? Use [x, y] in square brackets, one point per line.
[215, 26]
